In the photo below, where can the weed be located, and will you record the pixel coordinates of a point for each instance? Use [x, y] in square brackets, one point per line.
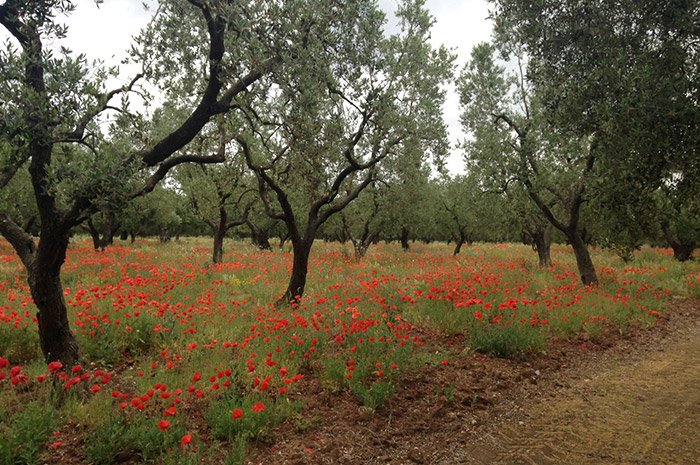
[22, 433]
[506, 340]
[374, 395]
[119, 435]
[20, 344]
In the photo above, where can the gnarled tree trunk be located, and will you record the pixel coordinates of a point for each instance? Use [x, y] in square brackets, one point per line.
[217, 254]
[259, 236]
[404, 239]
[300, 268]
[43, 264]
[585, 265]
[55, 336]
[459, 241]
[89, 226]
[542, 243]
[682, 251]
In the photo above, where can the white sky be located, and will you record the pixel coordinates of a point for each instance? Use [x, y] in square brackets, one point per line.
[105, 33]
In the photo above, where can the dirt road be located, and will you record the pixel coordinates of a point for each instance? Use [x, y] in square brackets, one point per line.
[642, 408]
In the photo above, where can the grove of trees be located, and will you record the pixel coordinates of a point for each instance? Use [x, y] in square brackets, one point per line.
[310, 119]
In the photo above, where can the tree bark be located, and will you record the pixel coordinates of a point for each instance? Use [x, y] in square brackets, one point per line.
[260, 237]
[458, 244]
[164, 236]
[542, 243]
[585, 265]
[89, 226]
[262, 241]
[360, 250]
[55, 336]
[218, 248]
[111, 227]
[362, 246]
[57, 341]
[283, 239]
[107, 238]
[404, 239]
[300, 267]
[681, 251]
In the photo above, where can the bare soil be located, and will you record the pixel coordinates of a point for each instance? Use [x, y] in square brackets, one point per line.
[621, 399]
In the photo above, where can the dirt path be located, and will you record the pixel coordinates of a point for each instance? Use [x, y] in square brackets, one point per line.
[621, 400]
[642, 408]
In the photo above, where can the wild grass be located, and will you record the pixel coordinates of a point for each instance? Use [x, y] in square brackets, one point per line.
[163, 319]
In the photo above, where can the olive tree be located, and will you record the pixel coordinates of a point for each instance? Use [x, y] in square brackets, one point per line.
[52, 105]
[625, 73]
[353, 99]
[220, 195]
[513, 141]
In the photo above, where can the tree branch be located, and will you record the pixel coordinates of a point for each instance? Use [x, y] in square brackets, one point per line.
[20, 240]
[509, 121]
[167, 165]
[287, 214]
[103, 104]
[342, 203]
[8, 18]
[8, 172]
[242, 220]
[208, 105]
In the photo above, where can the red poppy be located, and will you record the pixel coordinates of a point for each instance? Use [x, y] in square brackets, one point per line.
[55, 366]
[259, 407]
[163, 424]
[236, 414]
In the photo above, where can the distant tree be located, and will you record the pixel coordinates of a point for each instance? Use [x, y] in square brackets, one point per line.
[678, 206]
[513, 141]
[103, 233]
[462, 204]
[262, 227]
[409, 201]
[362, 221]
[537, 230]
[221, 195]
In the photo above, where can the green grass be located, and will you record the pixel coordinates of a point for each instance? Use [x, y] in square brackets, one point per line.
[358, 330]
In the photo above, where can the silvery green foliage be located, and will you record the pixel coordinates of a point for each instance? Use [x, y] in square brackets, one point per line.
[348, 101]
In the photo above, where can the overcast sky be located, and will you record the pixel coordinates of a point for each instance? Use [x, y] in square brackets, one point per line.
[106, 32]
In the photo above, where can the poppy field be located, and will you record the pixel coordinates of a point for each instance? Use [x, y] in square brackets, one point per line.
[191, 362]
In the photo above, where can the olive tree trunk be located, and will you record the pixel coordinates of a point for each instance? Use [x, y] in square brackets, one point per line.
[542, 243]
[300, 268]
